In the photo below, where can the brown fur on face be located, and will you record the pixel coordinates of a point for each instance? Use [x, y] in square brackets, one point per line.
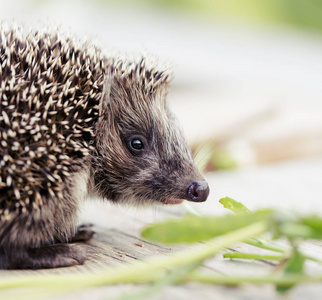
[134, 105]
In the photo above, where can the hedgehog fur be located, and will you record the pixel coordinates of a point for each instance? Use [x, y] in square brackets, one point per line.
[68, 119]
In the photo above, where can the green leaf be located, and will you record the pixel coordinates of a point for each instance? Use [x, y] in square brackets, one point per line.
[234, 206]
[313, 224]
[192, 228]
[293, 227]
[294, 266]
[294, 231]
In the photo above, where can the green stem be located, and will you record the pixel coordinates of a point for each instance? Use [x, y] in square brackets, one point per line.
[174, 276]
[311, 258]
[252, 256]
[284, 280]
[141, 271]
[267, 246]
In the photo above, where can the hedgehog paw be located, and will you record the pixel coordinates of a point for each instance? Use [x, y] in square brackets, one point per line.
[84, 233]
[57, 255]
[52, 256]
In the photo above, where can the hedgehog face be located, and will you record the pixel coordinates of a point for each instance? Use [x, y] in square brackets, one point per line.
[142, 156]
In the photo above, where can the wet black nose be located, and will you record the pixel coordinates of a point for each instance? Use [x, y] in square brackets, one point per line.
[198, 191]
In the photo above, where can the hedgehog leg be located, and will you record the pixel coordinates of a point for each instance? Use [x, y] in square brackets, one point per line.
[57, 255]
[52, 256]
[83, 234]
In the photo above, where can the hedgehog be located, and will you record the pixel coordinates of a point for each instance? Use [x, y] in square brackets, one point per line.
[75, 123]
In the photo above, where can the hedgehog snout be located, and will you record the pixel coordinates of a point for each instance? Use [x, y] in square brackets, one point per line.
[198, 191]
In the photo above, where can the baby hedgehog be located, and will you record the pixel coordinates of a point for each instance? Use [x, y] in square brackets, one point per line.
[74, 123]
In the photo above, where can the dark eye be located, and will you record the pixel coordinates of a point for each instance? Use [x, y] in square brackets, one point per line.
[136, 144]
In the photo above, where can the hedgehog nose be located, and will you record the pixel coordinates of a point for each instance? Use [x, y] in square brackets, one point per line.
[198, 191]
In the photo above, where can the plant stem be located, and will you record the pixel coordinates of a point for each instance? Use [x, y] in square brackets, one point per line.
[267, 246]
[139, 272]
[252, 256]
[284, 280]
[174, 276]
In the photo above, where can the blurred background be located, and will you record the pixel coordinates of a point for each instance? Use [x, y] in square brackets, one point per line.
[247, 86]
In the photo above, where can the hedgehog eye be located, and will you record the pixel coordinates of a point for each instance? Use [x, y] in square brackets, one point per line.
[136, 144]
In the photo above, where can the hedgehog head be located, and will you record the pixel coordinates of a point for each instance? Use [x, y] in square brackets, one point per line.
[141, 153]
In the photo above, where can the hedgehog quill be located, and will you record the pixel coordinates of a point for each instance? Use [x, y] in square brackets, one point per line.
[74, 123]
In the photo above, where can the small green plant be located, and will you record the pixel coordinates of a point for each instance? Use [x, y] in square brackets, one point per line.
[216, 233]
[279, 226]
